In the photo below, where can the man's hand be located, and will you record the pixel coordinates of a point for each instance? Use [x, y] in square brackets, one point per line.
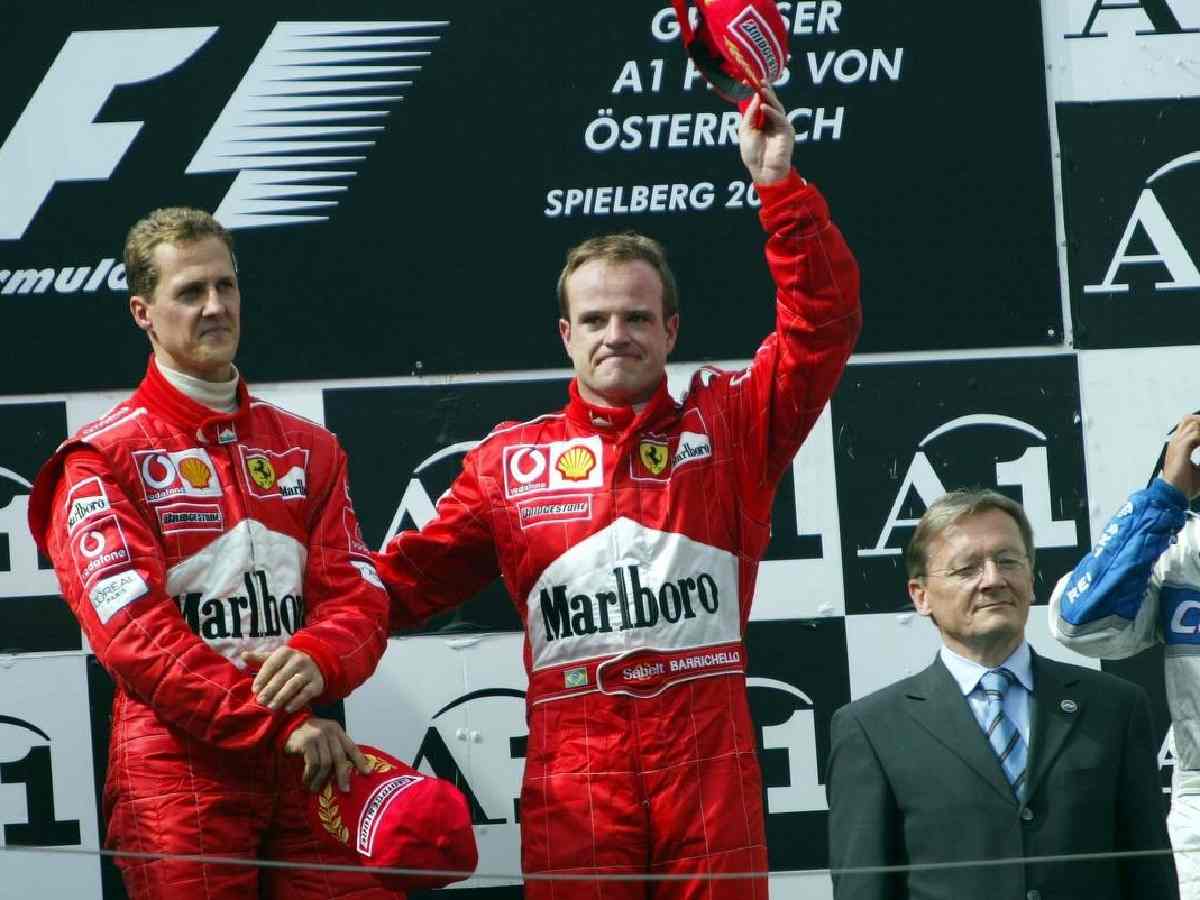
[326, 749]
[767, 151]
[1178, 469]
[287, 676]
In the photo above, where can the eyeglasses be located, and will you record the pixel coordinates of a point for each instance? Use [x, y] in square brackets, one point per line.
[1007, 564]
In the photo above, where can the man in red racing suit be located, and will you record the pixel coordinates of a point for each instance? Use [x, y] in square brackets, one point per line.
[190, 542]
[628, 529]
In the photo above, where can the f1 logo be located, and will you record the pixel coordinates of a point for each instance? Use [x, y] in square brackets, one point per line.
[58, 121]
[302, 69]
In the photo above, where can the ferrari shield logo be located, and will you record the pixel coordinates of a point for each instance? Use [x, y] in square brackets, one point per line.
[654, 456]
[261, 471]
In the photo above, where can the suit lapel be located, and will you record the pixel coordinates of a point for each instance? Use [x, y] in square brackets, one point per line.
[1057, 706]
[936, 703]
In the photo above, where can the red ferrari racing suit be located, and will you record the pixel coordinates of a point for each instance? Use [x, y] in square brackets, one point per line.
[182, 537]
[630, 544]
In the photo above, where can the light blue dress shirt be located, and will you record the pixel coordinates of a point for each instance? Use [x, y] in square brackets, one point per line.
[1016, 702]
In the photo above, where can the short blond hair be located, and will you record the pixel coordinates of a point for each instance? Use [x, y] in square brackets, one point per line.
[169, 225]
[622, 247]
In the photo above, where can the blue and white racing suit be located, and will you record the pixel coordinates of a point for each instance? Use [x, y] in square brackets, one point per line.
[1139, 586]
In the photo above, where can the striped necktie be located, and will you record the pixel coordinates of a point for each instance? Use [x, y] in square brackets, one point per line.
[1002, 734]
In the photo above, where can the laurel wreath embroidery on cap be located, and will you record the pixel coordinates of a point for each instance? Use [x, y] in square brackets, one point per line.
[328, 810]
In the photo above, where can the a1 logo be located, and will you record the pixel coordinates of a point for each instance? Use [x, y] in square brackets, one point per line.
[41, 827]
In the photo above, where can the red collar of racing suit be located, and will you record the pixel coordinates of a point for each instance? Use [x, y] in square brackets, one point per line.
[166, 401]
[621, 421]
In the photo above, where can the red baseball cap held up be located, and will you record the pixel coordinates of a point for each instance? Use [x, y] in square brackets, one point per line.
[398, 818]
[738, 45]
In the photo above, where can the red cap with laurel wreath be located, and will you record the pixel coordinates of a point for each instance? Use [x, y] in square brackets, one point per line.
[399, 818]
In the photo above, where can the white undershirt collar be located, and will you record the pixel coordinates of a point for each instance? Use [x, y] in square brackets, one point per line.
[219, 396]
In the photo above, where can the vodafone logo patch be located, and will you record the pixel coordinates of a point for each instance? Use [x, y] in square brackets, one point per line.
[560, 465]
[176, 473]
[99, 548]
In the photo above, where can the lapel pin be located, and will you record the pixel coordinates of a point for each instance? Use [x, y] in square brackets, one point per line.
[1068, 705]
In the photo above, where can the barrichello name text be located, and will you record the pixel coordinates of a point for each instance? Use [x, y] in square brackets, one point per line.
[705, 660]
[254, 614]
[644, 671]
[632, 604]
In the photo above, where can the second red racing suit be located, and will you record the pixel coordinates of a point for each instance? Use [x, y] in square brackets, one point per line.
[630, 544]
[182, 537]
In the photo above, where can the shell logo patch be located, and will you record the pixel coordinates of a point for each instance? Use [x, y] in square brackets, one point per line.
[195, 472]
[174, 473]
[577, 463]
[571, 465]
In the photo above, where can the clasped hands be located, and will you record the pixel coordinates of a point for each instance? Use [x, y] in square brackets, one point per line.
[289, 679]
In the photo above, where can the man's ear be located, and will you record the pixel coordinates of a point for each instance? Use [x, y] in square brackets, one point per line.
[672, 326]
[139, 309]
[564, 331]
[917, 593]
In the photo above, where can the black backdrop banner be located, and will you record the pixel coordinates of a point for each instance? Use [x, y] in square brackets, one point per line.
[404, 177]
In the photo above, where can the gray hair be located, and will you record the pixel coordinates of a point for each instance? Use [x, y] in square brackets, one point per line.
[953, 507]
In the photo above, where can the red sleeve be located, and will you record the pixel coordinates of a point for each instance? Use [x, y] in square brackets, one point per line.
[448, 561]
[111, 570]
[774, 403]
[345, 630]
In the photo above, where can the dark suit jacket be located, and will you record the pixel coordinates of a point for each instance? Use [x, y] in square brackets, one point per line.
[912, 779]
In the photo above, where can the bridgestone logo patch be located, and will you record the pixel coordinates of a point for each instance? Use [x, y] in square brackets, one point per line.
[562, 509]
[376, 805]
[755, 35]
[549, 509]
[191, 517]
[186, 518]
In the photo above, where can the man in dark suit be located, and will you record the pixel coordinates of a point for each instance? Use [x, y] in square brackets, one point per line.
[993, 752]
